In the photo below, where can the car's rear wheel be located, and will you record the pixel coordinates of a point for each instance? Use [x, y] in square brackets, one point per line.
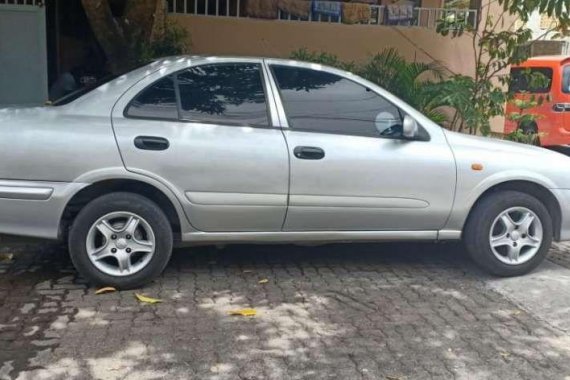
[120, 239]
[509, 233]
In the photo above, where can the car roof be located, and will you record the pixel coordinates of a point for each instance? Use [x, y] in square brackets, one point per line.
[229, 58]
[545, 60]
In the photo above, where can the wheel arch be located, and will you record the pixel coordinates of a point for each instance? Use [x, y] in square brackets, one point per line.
[102, 187]
[531, 188]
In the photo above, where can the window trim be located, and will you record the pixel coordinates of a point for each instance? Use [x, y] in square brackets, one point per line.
[180, 119]
[426, 136]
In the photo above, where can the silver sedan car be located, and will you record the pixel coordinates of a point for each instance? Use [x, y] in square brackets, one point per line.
[209, 150]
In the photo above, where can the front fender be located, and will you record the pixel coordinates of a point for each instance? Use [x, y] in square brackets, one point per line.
[472, 186]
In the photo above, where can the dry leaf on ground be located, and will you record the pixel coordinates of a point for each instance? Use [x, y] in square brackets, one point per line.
[264, 281]
[146, 299]
[244, 312]
[107, 289]
[5, 257]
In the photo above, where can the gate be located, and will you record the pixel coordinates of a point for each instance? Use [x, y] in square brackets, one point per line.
[23, 55]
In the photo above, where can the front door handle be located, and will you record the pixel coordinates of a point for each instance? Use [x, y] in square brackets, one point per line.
[308, 153]
[151, 143]
[561, 107]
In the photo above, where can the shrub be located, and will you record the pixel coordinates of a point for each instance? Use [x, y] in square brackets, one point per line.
[414, 82]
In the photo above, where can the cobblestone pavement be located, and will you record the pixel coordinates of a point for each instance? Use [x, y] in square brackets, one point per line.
[331, 312]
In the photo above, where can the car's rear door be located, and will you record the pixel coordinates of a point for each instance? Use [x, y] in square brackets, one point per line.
[207, 131]
[350, 167]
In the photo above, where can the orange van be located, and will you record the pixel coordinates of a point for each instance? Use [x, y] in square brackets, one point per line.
[553, 122]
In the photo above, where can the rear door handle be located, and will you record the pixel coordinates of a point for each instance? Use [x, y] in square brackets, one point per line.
[151, 143]
[308, 153]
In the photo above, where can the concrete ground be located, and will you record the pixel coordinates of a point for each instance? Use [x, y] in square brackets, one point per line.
[374, 311]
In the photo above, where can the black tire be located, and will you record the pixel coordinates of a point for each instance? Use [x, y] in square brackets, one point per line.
[478, 227]
[531, 129]
[126, 202]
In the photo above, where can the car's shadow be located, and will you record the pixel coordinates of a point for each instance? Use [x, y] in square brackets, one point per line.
[37, 256]
[354, 254]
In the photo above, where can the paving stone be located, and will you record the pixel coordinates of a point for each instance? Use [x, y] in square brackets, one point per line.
[373, 311]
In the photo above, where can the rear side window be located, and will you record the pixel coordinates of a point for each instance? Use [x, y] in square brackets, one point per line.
[158, 101]
[566, 80]
[318, 101]
[534, 80]
[229, 94]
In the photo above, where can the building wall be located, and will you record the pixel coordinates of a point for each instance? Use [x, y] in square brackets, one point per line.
[273, 38]
[547, 42]
[540, 26]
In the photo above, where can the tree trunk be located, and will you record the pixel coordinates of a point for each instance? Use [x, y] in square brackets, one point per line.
[109, 34]
[159, 26]
[138, 18]
[143, 21]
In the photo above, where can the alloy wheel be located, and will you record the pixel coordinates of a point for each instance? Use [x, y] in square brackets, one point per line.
[516, 235]
[120, 243]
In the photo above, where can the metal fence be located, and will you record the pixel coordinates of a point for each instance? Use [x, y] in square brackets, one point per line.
[379, 14]
[225, 8]
[22, 2]
[376, 16]
[429, 17]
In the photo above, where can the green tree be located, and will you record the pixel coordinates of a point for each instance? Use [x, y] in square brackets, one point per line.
[497, 44]
[414, 82]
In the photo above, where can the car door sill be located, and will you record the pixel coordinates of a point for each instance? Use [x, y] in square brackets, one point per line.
[313, 236]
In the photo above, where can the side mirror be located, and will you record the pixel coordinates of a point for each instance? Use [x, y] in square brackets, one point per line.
[409, 128]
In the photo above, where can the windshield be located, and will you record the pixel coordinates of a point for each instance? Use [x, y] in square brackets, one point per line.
[531, 80]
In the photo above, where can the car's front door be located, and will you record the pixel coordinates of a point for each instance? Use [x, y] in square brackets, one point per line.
[206, 131]
[351, 168]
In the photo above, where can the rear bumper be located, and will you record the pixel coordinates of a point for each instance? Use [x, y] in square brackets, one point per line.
[30, 208]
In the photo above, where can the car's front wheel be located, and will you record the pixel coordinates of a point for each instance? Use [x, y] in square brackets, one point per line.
[120, 239]
[509, 233]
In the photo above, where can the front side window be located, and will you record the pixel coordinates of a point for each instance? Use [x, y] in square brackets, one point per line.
[536, 80]
[158, 101]
[566, 80]
[223, 93]
[318, 101]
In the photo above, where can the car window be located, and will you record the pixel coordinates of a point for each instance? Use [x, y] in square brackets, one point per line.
[223, 93]
[566, 80]
[158, 101]
[534, 80]
[318, 101]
